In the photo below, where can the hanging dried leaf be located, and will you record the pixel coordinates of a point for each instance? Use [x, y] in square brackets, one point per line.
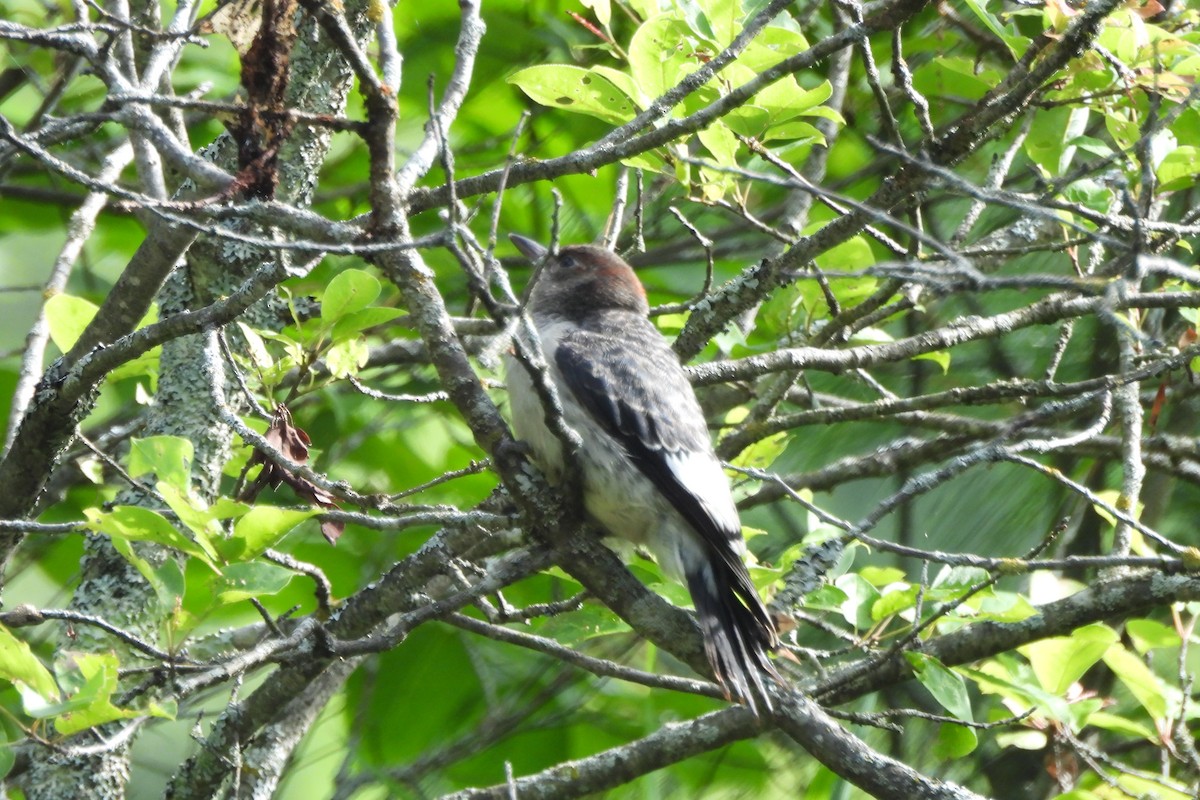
[236, 20]
[293, 442]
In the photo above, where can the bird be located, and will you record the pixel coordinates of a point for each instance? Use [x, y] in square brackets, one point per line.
[645, 460]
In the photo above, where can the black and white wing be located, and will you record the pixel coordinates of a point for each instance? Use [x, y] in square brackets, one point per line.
[632, 384]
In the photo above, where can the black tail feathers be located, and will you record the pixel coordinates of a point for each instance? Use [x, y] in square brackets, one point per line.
[738, 633]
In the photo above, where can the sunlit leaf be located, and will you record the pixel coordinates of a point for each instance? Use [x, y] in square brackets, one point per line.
[67, 316]
[137, 524]
[94, 676]
[1061, 660]
[167, 457]
[1179, 168]
[18, 664]
[662, 52]
[346, 358]
[1141, 682]
[261, 528]
[1149, 634]
[239, 582]
[350, 290]
[601, 8]
[860, 599]
[576, 89]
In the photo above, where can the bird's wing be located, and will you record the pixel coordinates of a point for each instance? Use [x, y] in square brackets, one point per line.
[631, 383]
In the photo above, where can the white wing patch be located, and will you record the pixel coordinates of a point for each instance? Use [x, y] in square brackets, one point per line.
[701, 474]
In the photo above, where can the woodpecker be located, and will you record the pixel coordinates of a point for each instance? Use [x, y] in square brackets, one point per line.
[647, 466]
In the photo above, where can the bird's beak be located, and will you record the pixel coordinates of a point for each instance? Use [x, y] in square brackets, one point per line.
[529, 248]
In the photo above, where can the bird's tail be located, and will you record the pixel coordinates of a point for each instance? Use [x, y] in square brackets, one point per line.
[738, 632]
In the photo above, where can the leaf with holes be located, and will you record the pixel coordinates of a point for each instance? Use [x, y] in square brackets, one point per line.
[576, 89]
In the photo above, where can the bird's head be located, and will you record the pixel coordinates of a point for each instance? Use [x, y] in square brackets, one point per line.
[581, 280]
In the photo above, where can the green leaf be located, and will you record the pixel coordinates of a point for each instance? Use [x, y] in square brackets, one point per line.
[1022, 739]
[195, 514]
[1157, 788]
[771, 46]
[589, 622]
[882, 576]
[293, 348]
[8, 754]
[623, 81]
[350, 290]
[1143, 684]
[979, 9]
[748, 120]
[1122, 725]
[259, 530]
[347, 358]
[852, 254]
[1093, 146]
[1008, 678]
[239, 582]
[651, 162]
[954, 741]
[870, 335]
[94, 677]
[1113, 498]
[225, 508]
[1006, 607]
[144, 366]
[1061, 660]
[166, 578]
[958, 579]
[137, 524]
[167, 457]
[721, 143]
[762, 454]
[794, 131]
[354, 323]
[785, 98]
[644, 8]
[1179, 168]
[662, 52]
[92, 469]
[582, 91]
[826, 598]
[1148, 634]
[67, 317]
[697, 19]
[939, 357]
[1124, 130]
[1048, 142]
[601, 8]
[860, 599]
[19, 665]
[894, 601]
[256, 348]
[954, 76]
[946, 686]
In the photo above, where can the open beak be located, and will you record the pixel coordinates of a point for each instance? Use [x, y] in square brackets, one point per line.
[529, 248]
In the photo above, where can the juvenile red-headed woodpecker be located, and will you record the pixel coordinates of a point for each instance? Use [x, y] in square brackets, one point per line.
[647, 466]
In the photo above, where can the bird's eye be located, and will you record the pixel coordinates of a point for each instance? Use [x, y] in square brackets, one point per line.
[566, 261]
